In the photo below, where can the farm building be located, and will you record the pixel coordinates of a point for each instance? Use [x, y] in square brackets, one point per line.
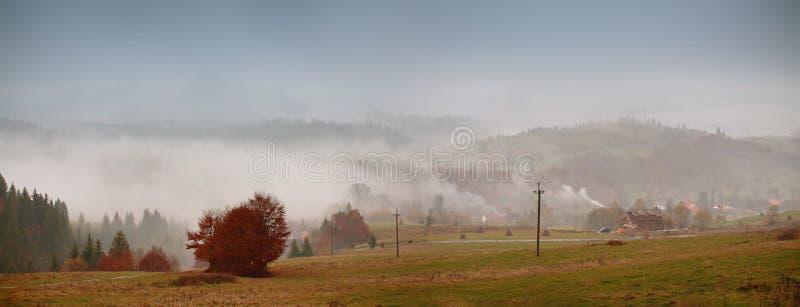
[643, 220]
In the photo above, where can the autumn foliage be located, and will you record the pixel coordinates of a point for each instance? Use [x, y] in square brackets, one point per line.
[119, 257]
[241, 240]
[349, 229]
[155, 260]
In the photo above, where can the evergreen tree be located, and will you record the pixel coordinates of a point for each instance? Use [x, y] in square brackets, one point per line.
[120, 243]
[372, 240]
[98, 251]
[116, 223]
[88, 252]
[3, 188]
[55, 265]
[106, 233]
[294, 251]
[74, 252]
[307, 251]
[119, 256]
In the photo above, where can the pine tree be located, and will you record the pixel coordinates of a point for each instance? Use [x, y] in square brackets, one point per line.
[74, 253]
[88, 252]
[372, 240]
[294, 252]
[307, 252]
[3, 188]
[120, 243]
[98, 251]
[55, 265]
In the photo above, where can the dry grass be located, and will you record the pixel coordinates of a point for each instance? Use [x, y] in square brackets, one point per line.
[194, 279]
[706, 270]
[788, 234]
[615, 242]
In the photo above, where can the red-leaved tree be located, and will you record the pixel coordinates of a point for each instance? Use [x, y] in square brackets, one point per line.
[155, 260]
[119, 257]
[349, 229]
[242, 240]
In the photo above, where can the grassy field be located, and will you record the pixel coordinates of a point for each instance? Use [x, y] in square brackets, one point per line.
[384, 232]
[739, 268]
[762, 220]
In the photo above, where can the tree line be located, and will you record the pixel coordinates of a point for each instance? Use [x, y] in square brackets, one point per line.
[118, 258]
[34, 230]
[37, 235]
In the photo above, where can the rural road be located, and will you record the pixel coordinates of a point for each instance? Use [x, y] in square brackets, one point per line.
[553, 240]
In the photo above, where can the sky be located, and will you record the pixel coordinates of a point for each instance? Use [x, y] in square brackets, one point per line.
[707, 64]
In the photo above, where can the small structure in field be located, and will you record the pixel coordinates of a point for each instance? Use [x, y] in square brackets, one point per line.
[643, 220]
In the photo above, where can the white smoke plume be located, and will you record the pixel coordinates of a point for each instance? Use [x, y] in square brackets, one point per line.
[568, 194]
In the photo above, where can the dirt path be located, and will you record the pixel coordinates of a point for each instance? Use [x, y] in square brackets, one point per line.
[71, 282]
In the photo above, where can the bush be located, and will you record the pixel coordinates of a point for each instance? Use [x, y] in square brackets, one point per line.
[615, 242]
[546, 233]
[203, 278]
[75, 265]
[786, 292]
[122, 261]
[155, 260]
[508, 233]
[463, 236]
[788, 234]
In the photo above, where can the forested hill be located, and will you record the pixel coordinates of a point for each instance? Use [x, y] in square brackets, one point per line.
[35, 233]
[626, 159]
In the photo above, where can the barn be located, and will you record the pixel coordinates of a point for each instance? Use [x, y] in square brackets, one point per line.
[643, 220]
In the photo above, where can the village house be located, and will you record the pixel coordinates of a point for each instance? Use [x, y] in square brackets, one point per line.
[643, 220]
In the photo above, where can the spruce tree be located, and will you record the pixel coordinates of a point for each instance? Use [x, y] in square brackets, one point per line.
[294, 252]
[88, 252]
[55, 265]
[307, 252]
[74, 253]
[372, 241]
[120, 243]
[98, 252]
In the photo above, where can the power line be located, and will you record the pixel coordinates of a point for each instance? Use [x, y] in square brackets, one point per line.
[539, 193]
[397, 231]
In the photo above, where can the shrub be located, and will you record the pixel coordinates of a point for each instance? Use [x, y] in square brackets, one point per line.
[463, 236]
[786, 292]
[546, 233]
[121, 262]
[75, 265]
[155, 260]
[615, 242]
[203, 278]
[508, 233]
[788, 234]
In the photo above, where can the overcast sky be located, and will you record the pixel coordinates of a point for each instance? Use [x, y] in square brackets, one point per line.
[734, 64]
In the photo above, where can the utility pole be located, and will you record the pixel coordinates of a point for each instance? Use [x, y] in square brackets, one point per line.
[539, 193]
[331, 236]
[397, 232]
